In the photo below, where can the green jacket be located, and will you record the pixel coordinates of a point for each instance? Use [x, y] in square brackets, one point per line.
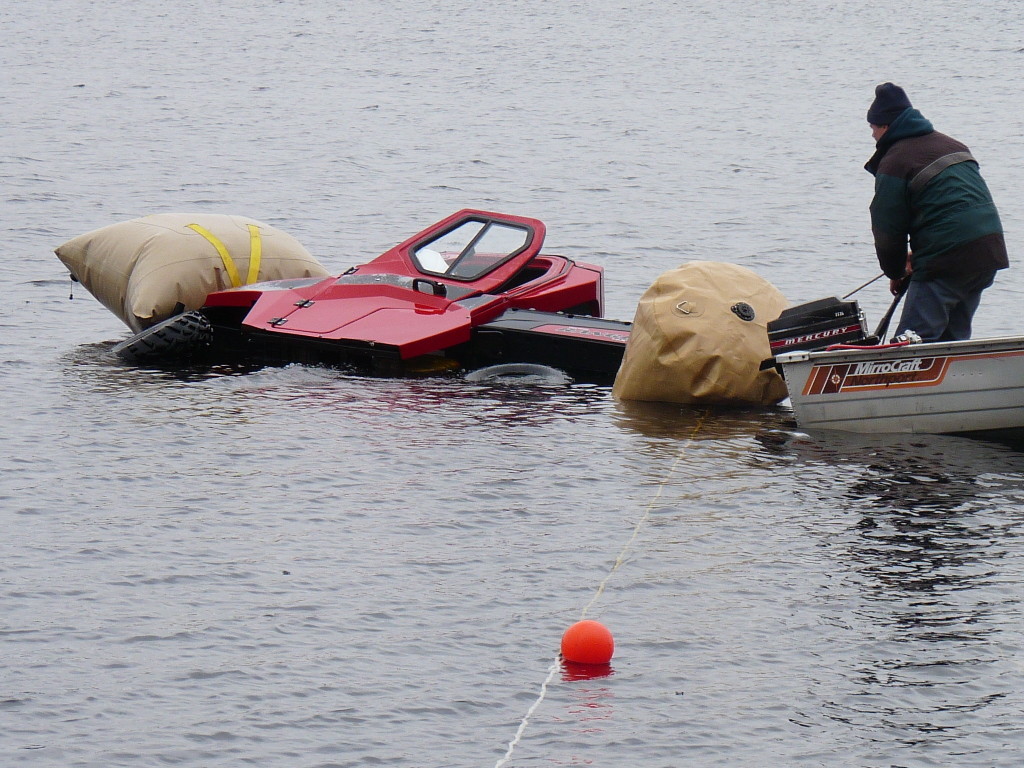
[929, 191]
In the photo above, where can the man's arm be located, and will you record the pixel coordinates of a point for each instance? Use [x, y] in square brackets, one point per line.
[890, 225]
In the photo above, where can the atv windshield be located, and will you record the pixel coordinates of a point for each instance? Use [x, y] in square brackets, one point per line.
[472, 249]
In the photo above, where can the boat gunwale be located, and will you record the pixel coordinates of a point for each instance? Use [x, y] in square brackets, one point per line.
[927, 349]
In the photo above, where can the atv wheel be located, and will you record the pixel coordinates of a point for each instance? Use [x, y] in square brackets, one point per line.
[177, 337]
[519, 373]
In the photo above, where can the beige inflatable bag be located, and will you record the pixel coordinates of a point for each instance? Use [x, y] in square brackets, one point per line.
[141, 269]
[699, 336]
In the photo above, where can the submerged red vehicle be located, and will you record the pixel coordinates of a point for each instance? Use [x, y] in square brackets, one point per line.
[470, 291]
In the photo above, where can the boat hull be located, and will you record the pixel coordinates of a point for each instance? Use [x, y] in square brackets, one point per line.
[961, 387]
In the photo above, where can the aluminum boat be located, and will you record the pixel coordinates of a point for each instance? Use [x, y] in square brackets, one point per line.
[973, 387]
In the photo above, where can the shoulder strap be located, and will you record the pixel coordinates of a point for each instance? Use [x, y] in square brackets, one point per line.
[936, 167]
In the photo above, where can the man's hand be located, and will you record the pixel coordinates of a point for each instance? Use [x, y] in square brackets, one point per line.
[899, 285]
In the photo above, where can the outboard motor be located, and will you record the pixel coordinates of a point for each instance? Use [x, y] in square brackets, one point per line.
[816, 325]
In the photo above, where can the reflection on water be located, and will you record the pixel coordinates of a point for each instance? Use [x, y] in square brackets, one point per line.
[923, 527]
[699, 422]
[920, 589]
[96, 366]
[99, 373]
[590, 707]
[573, 671]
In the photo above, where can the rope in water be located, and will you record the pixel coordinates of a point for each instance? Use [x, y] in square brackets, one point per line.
[553, 669]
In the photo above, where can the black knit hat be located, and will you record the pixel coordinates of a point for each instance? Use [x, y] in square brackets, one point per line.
[890, 101]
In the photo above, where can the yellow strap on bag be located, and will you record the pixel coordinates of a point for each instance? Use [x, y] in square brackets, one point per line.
[255, 254]
[225, 257]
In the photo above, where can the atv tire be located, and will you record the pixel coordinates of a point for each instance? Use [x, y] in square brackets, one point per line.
[178, 337]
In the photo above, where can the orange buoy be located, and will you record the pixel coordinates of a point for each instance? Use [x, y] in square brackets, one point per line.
[588, 642]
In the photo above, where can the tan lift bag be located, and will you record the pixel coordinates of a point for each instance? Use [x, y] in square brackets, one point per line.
[142, 269]
[699, 336]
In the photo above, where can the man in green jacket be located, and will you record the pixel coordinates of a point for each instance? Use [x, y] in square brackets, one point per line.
[930, 193]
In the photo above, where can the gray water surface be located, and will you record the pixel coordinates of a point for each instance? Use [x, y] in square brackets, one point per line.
[303, 567]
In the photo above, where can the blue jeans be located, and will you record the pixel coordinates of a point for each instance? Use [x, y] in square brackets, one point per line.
[941, 309]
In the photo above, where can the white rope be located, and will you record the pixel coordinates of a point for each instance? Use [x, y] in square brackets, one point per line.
[553, 669]
[526, 718]
[643, 518]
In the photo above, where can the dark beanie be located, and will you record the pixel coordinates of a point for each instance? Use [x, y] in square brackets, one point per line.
[890, 101]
